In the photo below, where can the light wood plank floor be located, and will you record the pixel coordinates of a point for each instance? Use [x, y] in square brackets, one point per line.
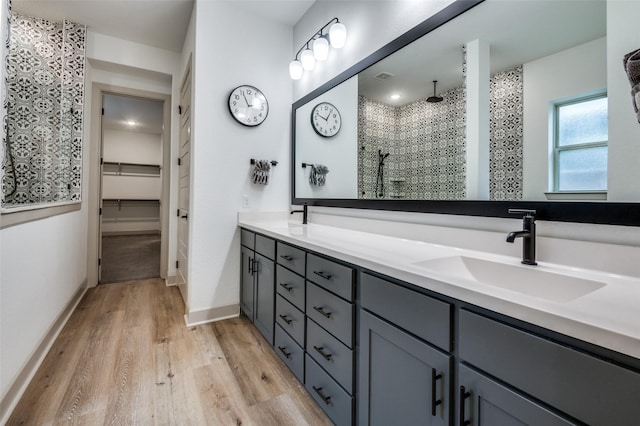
[125, 357]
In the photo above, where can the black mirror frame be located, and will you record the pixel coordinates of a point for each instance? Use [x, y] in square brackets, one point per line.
[609, 213]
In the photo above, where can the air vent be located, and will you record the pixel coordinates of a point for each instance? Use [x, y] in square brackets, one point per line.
[384, 76]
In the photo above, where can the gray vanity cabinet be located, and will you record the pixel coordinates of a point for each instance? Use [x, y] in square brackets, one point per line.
[584, 387]
[403, 379]
[484, 402]
[247, 287]
[257, 287]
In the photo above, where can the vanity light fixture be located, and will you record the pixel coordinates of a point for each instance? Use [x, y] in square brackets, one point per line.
[317, 48]
[131, 122]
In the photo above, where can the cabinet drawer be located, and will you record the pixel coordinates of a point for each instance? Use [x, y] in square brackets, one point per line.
[333, 400]
[571, 381]
[247, 238]
[290, 286]
[291, 257]
[266, 246]
[332, 313]
[330, 275]
[290, 319]
[331, 354]
[415, 312]
[290, 353]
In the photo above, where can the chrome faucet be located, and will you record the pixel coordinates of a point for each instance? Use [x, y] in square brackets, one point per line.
[304, 212]
[528, 235]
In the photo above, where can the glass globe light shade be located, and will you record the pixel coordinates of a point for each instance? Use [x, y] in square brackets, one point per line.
[321, 49]
[338, 35]
[307, 59]
[295, 70]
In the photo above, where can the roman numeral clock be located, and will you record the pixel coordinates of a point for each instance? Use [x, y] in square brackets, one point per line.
[326, 120]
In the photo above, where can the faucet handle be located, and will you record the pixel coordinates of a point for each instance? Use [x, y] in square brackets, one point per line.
[526, 212]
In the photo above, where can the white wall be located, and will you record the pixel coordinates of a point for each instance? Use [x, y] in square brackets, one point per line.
[42, 266]
[623, 37]
[573, 72]
[339, 153]
[222, 147]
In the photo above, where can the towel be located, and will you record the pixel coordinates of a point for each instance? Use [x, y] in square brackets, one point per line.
[261, 172]
[318, 174]
[631, 64]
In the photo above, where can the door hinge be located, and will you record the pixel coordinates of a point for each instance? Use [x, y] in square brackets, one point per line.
[101, 161]
[177, 264]
[99, 261]
[179, 109]
[100, 211]
[102, 111]
[178, 213]
[179, 161]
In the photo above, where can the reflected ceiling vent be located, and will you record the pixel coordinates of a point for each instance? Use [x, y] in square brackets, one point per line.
[384, 76]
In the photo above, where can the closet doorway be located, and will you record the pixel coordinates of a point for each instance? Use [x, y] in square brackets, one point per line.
[131, 188]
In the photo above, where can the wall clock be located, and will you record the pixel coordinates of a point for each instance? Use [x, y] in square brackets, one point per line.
[325, 119]
[248, 105]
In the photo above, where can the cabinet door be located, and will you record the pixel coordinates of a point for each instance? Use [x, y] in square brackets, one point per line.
[247, 288]
[265, 296]
[484, 402]
[397, 376]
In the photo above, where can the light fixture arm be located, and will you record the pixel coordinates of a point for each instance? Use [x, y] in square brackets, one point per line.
[318, 34]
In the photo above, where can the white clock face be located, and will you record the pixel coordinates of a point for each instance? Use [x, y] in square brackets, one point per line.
[248, 105]
[326, 120]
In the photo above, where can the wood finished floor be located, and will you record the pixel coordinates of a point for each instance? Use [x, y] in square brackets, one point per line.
[125, 357]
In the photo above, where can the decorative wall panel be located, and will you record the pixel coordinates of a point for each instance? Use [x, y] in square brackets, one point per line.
[44, 102]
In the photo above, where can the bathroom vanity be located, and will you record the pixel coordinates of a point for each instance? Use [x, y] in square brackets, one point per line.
[383, 330]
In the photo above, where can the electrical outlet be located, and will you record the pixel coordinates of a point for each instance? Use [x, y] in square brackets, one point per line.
[245, 201]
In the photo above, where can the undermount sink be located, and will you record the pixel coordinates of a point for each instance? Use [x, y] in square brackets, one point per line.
[523, 279]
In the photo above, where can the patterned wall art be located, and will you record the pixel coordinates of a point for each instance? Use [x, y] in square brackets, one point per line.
[44, 106]
[427, 147]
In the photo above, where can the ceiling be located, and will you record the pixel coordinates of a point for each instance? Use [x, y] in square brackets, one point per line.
[157, 23]
[516, 31]
[145, 113]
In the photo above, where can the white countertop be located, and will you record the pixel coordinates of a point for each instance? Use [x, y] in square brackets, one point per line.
[608, 316]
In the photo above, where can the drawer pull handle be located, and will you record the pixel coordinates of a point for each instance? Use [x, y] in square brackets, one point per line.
[323, 275]
[321, 351]
[463, 395]
[322, 312]
[283, 349]
[287, 257]
[286, 287]
[326, 399]
[286, 319]
[434, 402]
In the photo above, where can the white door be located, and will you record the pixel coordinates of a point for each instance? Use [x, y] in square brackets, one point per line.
[183, 185]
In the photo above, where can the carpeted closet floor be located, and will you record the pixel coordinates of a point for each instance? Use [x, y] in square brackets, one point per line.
[130, 257]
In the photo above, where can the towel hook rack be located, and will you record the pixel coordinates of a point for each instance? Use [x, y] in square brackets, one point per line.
[304, 165]
[273, 162]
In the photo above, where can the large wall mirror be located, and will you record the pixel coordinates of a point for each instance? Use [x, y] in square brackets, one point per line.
[485, 106]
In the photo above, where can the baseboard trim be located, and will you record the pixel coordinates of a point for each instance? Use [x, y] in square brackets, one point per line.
[24, 377]
[125, 233]
[170, 280]
[212, 315]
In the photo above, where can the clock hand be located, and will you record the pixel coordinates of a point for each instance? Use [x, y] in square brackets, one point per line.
[245, 99]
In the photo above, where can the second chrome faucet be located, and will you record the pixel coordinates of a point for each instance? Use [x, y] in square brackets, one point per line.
[528, 235]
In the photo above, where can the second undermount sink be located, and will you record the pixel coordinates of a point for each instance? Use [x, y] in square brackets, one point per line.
[523, 279]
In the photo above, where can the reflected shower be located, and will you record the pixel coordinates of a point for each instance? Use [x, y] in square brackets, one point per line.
[434, 99]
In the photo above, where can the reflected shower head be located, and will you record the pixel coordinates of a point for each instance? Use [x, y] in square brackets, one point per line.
[434, 99]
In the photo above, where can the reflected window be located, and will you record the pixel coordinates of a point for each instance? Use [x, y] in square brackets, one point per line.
[580, 144]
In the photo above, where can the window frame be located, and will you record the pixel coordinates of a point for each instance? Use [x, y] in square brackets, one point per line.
[557, 149]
